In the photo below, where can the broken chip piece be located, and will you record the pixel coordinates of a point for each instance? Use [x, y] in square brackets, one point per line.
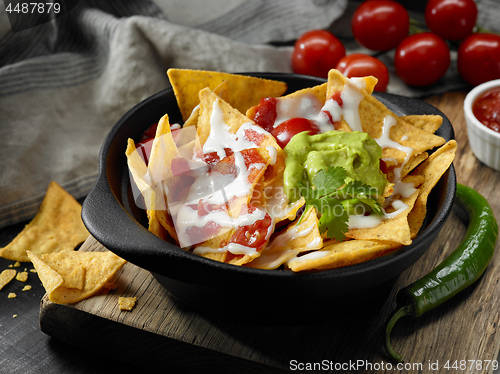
[6, 276]
[127, 303]
[56, 227]
[69, 277]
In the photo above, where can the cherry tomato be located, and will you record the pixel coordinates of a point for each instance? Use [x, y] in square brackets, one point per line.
[316, 52]
[362, 65]
[380, 25]
[451, 19]
[287, 129]
[478, 58]
[421, 59]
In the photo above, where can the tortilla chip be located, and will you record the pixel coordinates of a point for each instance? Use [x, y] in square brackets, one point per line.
[427, 122]
[394, 229]
[69, 277]
[245, 91]
[316, 93]
[139, 174]
[56, 227]
[432, 170]
[222, 90]
[342, 254]
[296, 238]
[373, 113]
[6, 276]
[412, 163]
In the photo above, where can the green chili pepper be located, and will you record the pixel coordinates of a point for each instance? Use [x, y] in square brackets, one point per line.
[458, 271]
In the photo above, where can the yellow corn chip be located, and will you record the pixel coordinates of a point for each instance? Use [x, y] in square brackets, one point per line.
[56, 227]
[394, 229]
[6, 276]
[431, 169]
[244, 91]
[426, 122]
[221, 90]
[296, 238]
[342, 254]
[375, 116]
[69, 277]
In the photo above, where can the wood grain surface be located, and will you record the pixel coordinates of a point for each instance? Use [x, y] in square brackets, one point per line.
[162, 335]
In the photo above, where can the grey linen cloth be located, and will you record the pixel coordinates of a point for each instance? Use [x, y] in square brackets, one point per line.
[65, 83]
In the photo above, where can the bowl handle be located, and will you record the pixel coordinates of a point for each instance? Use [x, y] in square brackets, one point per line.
[103, 216]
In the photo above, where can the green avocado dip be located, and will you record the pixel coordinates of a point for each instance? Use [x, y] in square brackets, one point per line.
[356, 152]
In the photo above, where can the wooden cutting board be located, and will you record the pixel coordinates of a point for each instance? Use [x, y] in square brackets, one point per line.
[162, 335]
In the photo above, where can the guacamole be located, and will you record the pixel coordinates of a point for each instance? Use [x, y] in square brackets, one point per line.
[356, 152]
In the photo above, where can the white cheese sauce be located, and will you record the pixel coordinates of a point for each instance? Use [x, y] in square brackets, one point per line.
[214, 188]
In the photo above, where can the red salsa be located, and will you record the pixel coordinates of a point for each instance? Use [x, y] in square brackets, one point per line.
[486, 109]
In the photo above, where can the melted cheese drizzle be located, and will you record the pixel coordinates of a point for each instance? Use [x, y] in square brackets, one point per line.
[278, 250]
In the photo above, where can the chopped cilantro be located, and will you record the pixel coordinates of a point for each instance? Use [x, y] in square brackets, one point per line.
[332, 197]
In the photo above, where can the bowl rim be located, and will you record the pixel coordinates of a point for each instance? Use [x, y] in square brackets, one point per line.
[103, 188]
[469, 100]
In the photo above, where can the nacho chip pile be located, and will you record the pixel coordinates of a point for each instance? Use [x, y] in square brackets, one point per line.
[215, 186]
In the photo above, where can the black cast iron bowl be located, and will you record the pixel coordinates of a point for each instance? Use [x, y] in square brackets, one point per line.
[214, 288]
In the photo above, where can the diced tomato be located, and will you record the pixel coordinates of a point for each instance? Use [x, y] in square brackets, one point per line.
[180, 189]
[254, 136]
[150, 133]
[287, 129]
[200, 234]
[253, 236]
[252, 156]
[144, 149]
[383, 167]
[265, 113]
[213, 157]
[227, 165]
[179, 166]
[337, 98]
[204, 208]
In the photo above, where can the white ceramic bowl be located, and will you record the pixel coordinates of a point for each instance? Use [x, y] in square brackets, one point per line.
[484, 142]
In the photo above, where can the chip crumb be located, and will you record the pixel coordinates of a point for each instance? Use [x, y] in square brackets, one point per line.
[32, 270]
[14, 316]
[11, 295]
[11, 266]
[127, 303]
[26, 288]
[22, 276]
[17, 264]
